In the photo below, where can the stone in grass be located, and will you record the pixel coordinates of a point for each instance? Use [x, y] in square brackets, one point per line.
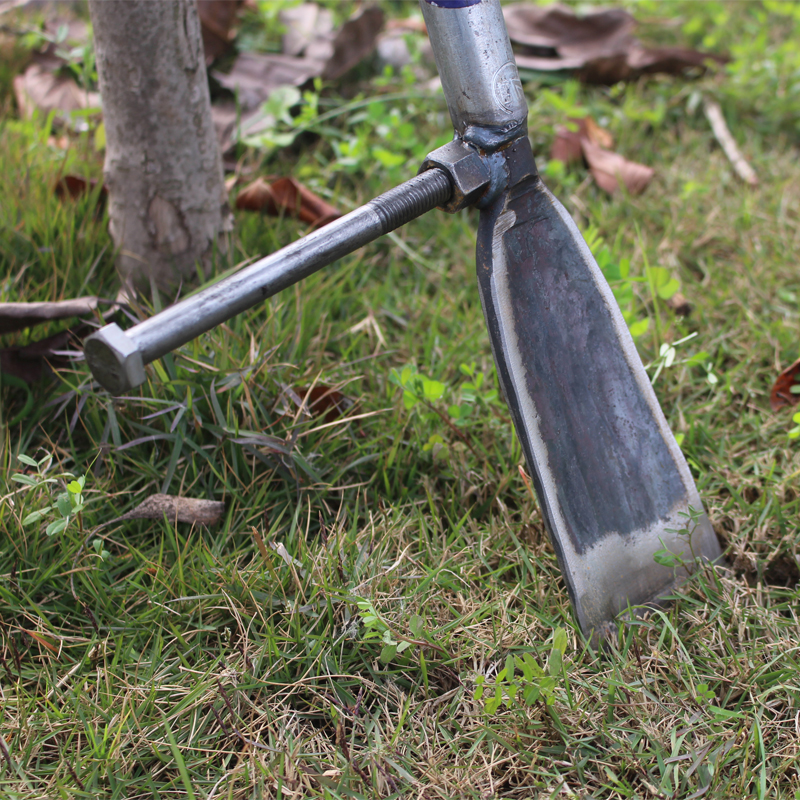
[178, 509]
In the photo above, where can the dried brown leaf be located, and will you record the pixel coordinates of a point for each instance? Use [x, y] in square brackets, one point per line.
[61, 142]
[781, 394]
[324, 401]
[77, 35]
[567, 144]
[555, 31]
[286, 196]
[304, 24]
[326, 53]
[680, 305]
[256, 196]
[600, 45]
[74, 186]
[77, 31]
[31, 361]
[37, 88]
[608, 169]
[353, 42]
[297, 199]
[255, 76]
[597, 134]
[217, 18]
[42, 641]
[178, 509]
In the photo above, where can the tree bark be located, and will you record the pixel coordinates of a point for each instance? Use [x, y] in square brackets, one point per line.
[167, 199]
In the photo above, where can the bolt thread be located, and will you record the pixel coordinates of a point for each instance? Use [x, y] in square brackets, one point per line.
[412, 199]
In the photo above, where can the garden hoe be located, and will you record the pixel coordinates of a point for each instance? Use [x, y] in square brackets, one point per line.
[613, 486]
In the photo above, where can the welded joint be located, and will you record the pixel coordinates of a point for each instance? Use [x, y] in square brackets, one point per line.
[479, 177]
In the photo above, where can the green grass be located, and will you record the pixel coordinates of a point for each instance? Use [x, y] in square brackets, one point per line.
[234, 661]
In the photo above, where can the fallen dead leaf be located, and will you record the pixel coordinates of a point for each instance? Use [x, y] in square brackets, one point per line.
[567, 144]
[392, 49]
[178, 509]
[317, 401]
[313, 50]
[782, 570]
[781, 394]
[304, 24]
[75, 33]
[556, 32]
[77, 30]
[217, 18]
[680, 305]
[599, 46]
[10, 5]
[324, 401]
[31, 361]
[256, 196]
[17, 316]
[74, 186]
[224, 117]
[353, 42]
[42, 641]
[584, 138]
[597, 134]
[608, 169]
[37, 88]
[286, 196]
[61, 142]
[254, 77]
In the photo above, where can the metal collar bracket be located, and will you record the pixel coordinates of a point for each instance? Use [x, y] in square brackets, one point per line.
[478, 178]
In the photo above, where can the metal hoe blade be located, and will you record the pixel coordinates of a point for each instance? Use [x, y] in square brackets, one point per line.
[612, 483]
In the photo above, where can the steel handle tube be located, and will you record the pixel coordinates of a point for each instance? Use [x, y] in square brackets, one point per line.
[479, 75]
[117, 358]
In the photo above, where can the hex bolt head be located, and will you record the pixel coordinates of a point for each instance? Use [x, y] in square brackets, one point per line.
[467, 169]
[114, 359]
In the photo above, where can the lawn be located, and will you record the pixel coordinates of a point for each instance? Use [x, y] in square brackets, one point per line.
[378, 612]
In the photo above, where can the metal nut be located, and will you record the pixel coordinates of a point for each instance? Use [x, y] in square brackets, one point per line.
[467, 169]
[114, 359]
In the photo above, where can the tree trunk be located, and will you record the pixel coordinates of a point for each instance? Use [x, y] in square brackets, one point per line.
[163, 169]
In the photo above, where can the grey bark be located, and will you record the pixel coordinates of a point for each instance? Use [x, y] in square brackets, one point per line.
[163, 169]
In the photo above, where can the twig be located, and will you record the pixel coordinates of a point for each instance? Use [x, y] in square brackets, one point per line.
[14, 654]
[75, 777]
[236, 732]
[721, 133]
[341, 736]
[7, 755]
[8, 671]
[386, 776]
